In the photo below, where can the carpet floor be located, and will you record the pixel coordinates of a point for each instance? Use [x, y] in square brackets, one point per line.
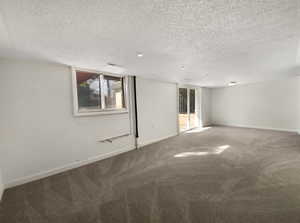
[219, 175]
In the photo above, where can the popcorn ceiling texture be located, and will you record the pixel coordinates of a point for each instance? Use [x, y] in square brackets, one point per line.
[217, 41]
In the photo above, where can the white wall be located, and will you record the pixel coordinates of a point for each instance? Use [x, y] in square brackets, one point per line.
[205, 102]
[40, 136]
[38, 133]
[157, 110]
[273, 104]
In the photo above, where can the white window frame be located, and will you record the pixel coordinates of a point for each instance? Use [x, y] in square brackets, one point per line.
[105, 111]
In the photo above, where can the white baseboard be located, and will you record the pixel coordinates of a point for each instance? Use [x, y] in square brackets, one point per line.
[258, 127]
[155, 140]
[69, 166]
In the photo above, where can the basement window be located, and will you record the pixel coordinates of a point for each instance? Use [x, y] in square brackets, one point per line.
[98, 93]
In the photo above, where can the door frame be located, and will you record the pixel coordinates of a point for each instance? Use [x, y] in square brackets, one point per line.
[188, 87]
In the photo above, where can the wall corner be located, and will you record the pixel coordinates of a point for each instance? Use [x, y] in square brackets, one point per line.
[1, 186]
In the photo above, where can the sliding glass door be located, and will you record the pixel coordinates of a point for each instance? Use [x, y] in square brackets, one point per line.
[187, 116]
[183, 109]
[193, 118]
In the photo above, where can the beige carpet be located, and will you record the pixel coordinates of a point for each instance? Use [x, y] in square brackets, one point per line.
[220, 175]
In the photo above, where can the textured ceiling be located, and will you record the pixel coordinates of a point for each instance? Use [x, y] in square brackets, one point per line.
[217, 41]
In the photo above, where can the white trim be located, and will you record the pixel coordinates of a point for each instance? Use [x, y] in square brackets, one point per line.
[189, 88]
[155, 140]
[108, 112]
[257, 127]
[97, 71]
[69, 166]
[102, 94]
[74, 91]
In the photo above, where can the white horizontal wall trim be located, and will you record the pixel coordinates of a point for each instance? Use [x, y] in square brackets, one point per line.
[155, 140]
[258, 127]
[64, 168]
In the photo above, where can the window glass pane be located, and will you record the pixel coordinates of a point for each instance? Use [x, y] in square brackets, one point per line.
[88, 91]
[193, 116]
[183, 116]
[192, 100]
[113, 92]
[182, 100]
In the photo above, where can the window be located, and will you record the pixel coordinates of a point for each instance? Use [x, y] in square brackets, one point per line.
[98, 93]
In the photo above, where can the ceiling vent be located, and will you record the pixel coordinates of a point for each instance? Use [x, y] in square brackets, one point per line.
[113, 64]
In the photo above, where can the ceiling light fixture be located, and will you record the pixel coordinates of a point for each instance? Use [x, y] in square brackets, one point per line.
[182, 68]
[139, 55]
[232, 83]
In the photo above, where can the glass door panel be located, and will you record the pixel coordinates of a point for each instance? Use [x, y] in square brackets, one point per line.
[187, 116]
[183, 117]
[193, 119]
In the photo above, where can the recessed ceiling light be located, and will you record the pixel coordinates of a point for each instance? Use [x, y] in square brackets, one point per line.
[232, 83]
[139, 55]
[182, 67]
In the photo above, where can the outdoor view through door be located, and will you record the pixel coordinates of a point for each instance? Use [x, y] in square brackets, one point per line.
[187, 116]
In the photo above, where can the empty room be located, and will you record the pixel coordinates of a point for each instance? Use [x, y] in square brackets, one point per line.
[158, 111]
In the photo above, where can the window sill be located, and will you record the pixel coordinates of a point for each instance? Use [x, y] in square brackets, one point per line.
[96, 113]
